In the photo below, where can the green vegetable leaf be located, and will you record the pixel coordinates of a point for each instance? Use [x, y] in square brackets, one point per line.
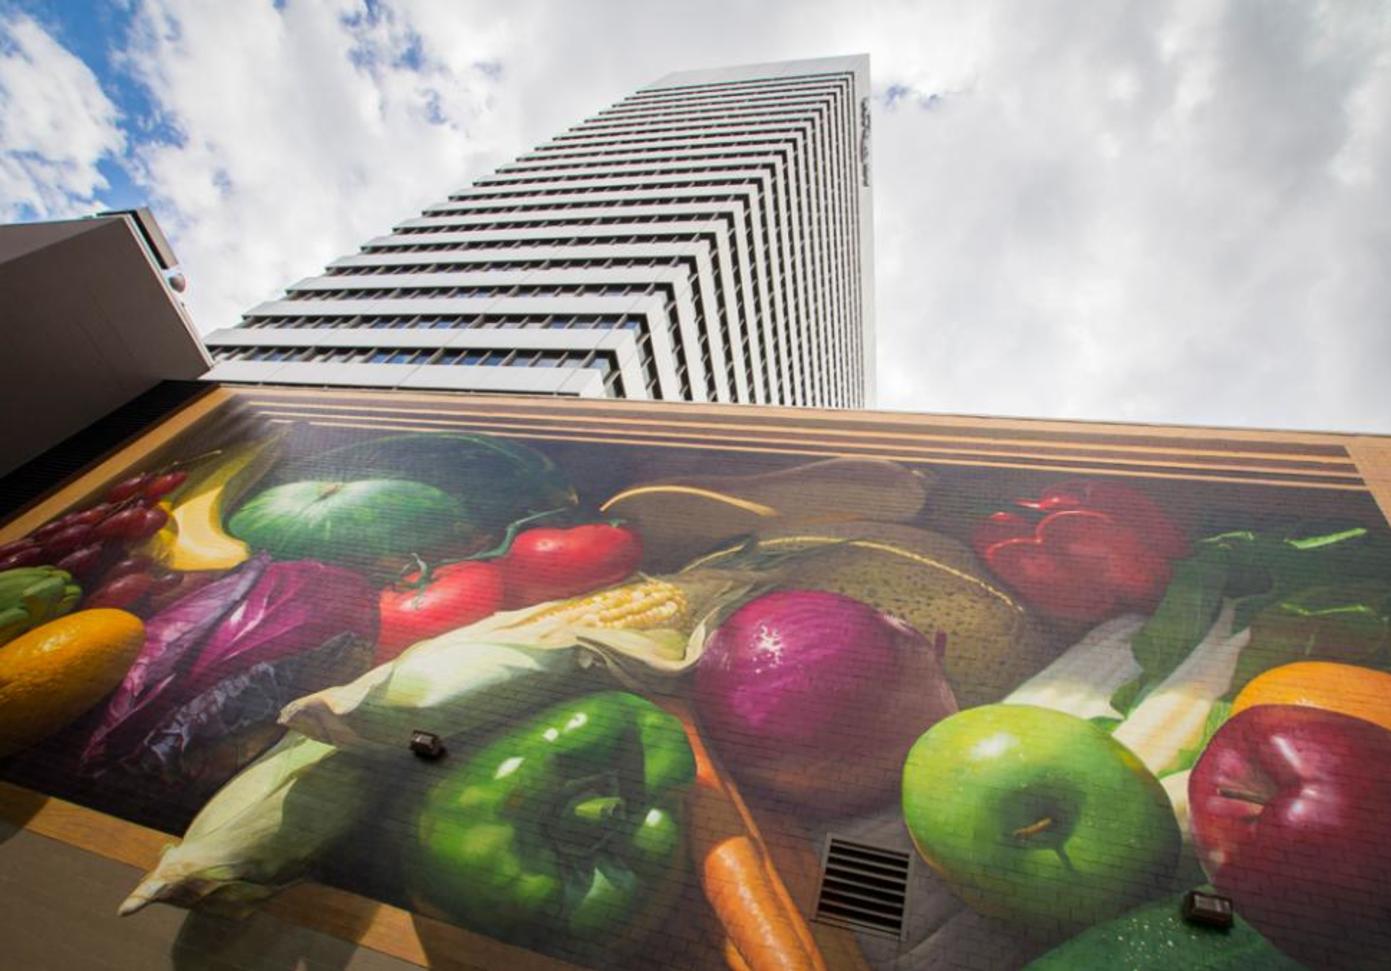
[1127, 695]
[1191, 604]
[1275, 565]
[1350, 624]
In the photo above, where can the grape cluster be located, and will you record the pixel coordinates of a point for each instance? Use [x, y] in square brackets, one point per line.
[95, 543]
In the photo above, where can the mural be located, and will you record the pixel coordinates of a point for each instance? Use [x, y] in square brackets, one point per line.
[662, 677]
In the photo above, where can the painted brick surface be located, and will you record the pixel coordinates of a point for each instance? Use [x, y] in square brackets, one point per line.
[1074, 672]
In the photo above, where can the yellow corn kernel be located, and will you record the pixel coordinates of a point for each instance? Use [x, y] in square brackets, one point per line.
[645, 605]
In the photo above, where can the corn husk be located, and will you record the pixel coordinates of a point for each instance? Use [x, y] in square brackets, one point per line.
[507, 666]
[458, 686]
[262, 831]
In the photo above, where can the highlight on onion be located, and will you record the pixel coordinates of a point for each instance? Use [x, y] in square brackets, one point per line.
[818, 697]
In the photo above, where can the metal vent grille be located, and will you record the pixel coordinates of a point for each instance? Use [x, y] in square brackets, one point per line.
[863, 887]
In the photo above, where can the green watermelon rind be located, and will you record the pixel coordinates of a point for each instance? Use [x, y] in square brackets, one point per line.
[365, 518]
[1155, 937]
[499, 480]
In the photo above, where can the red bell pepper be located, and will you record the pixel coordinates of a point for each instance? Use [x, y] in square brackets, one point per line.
[1083, 551]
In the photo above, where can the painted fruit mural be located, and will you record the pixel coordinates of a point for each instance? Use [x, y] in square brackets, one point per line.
[663, 681]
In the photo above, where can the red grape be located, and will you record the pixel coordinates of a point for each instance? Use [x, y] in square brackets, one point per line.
[17, 546]
[165, 582]
[83, 562]
[136, 563]
[122, 592]
[127, 488]
[152, 521]
[90, 516]
[67, 540]
[32, 556]
[125, 524]
[48, 529]
[162, 485]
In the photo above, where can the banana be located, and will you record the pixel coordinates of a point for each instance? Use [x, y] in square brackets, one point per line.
[194, 538]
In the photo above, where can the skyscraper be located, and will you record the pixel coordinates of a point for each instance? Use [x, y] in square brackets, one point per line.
[708, 238]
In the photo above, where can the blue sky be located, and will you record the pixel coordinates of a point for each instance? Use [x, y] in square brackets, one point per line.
[1158, 210]
[87, 30]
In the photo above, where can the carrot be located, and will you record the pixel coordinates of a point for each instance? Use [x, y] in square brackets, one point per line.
[766, 930]
[733, 958]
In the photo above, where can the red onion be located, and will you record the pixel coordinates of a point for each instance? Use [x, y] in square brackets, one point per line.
[818, 697]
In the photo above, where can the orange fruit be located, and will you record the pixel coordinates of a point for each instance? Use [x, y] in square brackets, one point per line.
[54, 673]
[1345, 688]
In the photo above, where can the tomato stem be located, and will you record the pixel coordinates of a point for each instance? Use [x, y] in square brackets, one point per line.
[515, 527]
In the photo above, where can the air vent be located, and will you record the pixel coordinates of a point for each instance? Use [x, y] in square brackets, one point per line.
[863, 887]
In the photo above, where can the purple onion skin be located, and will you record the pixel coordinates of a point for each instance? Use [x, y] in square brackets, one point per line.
[818, 696]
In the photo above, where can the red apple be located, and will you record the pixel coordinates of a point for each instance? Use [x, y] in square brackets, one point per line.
[1290, 808]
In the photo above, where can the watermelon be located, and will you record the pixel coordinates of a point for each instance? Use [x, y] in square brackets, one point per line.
[350, 521]
[1155, 938]
[498, 480]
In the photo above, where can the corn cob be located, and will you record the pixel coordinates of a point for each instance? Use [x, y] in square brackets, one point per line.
[647, 604]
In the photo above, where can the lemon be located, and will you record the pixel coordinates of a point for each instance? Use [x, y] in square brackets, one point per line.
[54, 673]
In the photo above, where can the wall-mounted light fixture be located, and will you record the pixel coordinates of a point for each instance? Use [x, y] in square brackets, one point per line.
[1208, 909]
[427, 745]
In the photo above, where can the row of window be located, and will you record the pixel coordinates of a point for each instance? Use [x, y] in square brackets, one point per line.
[538, 264]
[481, 291]
[675, 235]
[524, 177]
[644, 109]
[763, 97]
[599, 361]
[446, 322]
[710, 88]
[707, 118]
[527, 189]
[696, 135]
[466, 206]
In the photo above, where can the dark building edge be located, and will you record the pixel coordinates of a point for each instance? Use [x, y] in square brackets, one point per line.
[53, 469]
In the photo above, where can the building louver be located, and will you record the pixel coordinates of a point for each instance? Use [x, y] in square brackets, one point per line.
[708, 238]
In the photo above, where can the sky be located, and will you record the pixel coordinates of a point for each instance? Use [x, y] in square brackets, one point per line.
[1154, 211]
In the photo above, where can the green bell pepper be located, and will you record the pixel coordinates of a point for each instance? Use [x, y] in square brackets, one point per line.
[564, 834]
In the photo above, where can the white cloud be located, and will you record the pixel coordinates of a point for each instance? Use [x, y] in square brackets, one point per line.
[1162, 214]
[1149, 211]
[56, 125]
[302, 132]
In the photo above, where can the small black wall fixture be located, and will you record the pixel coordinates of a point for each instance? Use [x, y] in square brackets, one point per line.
[1208, 909]
[427, 745]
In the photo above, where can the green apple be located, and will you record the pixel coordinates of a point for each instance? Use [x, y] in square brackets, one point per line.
[1038, 817]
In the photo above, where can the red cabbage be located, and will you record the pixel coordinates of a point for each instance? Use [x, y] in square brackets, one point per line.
[170, 635]
[296, 606]
[261, 613]
[202, 743]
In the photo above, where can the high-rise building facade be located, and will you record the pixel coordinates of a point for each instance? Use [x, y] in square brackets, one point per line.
[708, 238]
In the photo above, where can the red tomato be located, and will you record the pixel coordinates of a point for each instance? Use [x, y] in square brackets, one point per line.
[547, 564]
[454, 595]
